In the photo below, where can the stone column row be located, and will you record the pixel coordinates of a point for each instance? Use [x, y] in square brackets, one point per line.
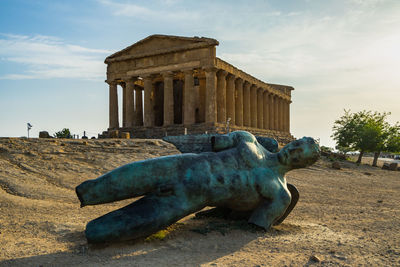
[188, 98]
[226, 96]
[246, 104]
[132, 113]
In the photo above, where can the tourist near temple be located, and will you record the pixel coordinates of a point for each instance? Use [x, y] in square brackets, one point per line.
[174, 85]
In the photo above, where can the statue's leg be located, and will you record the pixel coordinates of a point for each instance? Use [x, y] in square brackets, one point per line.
[295, 197]
[139, 219]
[131, 180]
[271, 209]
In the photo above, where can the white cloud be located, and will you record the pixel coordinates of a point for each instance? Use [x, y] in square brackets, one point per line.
[45, 57]
[136, 11]
[344, 60]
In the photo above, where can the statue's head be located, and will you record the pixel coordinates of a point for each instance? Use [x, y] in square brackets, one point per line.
[299, 153]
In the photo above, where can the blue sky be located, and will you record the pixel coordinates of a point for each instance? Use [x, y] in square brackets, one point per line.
[342, 54]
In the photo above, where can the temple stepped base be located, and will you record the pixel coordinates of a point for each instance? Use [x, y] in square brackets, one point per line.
[199, 128]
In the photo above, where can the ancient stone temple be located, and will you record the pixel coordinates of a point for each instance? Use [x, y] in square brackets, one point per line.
[174, 85]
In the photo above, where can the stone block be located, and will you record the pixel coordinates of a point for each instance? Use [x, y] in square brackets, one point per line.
[44, 134]
[125, 135]
[114, 134]
[390, 166]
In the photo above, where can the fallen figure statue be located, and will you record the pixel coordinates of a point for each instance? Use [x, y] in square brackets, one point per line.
[240, 175]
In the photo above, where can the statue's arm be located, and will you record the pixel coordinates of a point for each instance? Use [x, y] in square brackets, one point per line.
[268, 143]
[226, 141]
[271, 208]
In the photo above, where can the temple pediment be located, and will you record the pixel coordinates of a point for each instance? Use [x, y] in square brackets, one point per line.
[160, 44]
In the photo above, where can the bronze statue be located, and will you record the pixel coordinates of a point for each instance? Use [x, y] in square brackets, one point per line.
[240, 175]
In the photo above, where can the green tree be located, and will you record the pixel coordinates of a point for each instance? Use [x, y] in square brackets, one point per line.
[326, 149]
[365, 131]
[393, 140]
[64, 133]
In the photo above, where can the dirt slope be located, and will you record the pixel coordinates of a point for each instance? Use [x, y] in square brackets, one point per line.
[348, 217]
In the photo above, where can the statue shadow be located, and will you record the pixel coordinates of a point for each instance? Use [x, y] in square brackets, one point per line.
[197, 241]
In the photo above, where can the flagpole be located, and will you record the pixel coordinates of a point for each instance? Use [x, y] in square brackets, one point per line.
[28, 127]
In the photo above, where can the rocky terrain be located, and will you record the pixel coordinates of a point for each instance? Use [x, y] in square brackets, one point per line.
[345, 217]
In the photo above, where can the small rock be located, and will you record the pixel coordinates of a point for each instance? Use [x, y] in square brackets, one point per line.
[367, 173]
[340, 257]
[380, 201]
[336, 165]
[315, 258]
[30, 153]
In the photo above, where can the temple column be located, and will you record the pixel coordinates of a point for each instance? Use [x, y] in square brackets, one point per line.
[253, 106]
[202, 96]
[168, 98]
[211, 94]
[271, 112]
[288, 116]
[123, 85]
[260, 107]
[221, 96]
[246, 104]
[282, 115]
[129, 85]
[266, 110]
[279, 113]
[239, 102]
[230, 99]
[284, 107]
[148, 102]
[113, 105]
[138, 106]
[188, 101]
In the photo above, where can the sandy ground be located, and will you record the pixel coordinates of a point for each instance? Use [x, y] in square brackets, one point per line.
[347, 217]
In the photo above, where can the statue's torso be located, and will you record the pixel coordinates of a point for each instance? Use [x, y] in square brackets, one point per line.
[228, 178]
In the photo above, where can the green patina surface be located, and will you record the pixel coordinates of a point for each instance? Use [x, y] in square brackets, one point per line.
[241, 175]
